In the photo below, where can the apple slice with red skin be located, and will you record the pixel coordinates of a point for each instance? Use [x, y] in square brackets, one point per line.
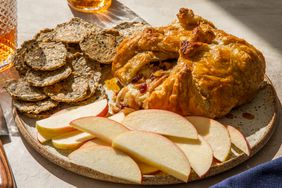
[145, 169]
[161, 122]
[103, 128]
[57, 124]
[108, 161]
[42, 139]
[74, 139]
[239, 140]
[154, 150]
[94, 142]
[198, 152]
[71, 140]
[118, 117]
[215, 134]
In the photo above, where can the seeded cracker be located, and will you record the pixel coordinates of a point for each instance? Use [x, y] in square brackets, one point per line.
[94, 81]
[128, 28]
[98, 95]
[80, 85]
[72, 89]
[45, 35]
[19, 57]
[89, 69]
[74, 31]
[41, 115]
[35, 107]
[22, 90]
[82, 66]
[42, 79]
[46, 56]
[44, 114]
[101, 46]
[93, 84]
[72, 50]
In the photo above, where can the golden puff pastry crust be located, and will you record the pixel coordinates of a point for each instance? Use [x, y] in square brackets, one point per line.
[189, 67]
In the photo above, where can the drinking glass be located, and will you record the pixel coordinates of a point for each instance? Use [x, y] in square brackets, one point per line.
[90, 6]
[8, 32]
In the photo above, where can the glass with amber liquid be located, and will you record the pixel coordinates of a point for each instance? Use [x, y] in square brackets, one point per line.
[90, 6]
[8, 32]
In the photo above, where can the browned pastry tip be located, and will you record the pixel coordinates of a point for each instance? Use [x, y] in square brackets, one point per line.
[203, 34]
[192, 49]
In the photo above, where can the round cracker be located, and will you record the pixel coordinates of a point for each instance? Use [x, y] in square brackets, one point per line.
[82, 66]
[19, 56]
[74, 31]
[98, 95]
[22, 90]
[73, 49]
[93, 83]
[73, 89]
[35, 107]
[45, 35]
[46, 56]
[42, 79]
[128, 28]
[41, 115]
[101, 46]
[44, 114]
[88, 69]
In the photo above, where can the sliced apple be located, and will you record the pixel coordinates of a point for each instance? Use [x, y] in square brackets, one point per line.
[60, 122]
[154, 150]
[215, 134]
[108, 161]
[104, 128]
[42, 139]
[44, 136]
[198, 152]
[127, 110]
[239, 140]
[65, 110]
[147, 169]
[94, 142]
[116, 117]
[162, 122]
[71, 140]
[119, 117]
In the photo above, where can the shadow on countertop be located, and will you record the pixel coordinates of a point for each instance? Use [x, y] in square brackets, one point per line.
[259, 15]
[115, 14]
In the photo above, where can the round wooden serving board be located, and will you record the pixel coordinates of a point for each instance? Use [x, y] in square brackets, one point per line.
[258, 130]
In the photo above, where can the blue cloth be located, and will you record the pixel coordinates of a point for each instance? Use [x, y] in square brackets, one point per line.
[266, 175]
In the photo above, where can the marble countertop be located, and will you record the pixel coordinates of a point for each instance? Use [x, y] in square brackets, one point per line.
[257, 21]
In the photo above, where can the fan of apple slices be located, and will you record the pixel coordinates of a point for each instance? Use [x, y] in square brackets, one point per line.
[141, 143]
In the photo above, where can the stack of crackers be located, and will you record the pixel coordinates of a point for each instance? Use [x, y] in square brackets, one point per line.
[64, 66]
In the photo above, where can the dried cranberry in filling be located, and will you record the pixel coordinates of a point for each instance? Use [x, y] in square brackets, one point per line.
[136, 78]
[142, 87]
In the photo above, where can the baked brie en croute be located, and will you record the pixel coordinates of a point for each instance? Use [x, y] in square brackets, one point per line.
[189, 67]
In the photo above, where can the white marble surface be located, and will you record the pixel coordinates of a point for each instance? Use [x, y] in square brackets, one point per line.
[257, 21]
